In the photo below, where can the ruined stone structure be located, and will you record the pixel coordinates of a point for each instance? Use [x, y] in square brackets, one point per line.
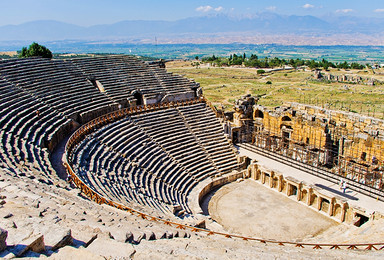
[345, 144]
[43, 101]
[312, 196]
[135, 159]
[147, 143]
[346, 78]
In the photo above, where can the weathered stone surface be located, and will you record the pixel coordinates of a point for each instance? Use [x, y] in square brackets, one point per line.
[139, 237]
[150, 235]
[111, 248]
[93, 238]
[200, 223]
[129, 237]
[182, 234]
[3, 238]
[69, 252]
[160, 234]
[58, 238]
[34, 243]
[169, 235]
[7, 254]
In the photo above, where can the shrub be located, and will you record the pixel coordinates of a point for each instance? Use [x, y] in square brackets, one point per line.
[260, 72]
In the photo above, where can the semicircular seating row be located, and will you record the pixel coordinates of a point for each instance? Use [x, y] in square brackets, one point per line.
[42, 100]
[24, 132]
[155, 158]
[121, 75]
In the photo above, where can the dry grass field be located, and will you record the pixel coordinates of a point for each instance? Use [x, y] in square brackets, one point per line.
[225, 85]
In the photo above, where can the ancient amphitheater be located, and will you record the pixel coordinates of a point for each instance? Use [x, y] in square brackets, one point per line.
[110, 157]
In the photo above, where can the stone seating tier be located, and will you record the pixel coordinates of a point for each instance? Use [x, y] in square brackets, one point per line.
[155, 155]
[28, 130]
[152, 159]
[54, 83]
[124, 74]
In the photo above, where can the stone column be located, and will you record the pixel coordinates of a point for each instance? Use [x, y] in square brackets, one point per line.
[309, 196]
[280, 183]
[248, 172]
[331, 206]
[343, 211]
[289, 188]
[271, 179]
[254, 171]
[319, 200]
[299, 188]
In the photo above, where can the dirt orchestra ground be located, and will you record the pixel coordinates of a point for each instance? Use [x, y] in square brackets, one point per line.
[251, 209]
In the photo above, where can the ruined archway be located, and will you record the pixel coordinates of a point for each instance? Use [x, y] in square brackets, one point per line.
[286, 118]
[258, 114]
[139, 98]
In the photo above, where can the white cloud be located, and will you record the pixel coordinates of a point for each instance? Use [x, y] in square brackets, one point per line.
[308, 6]
[208, 8]
[219, 9]
[344, 11]
[204, 9]
[381, 10]
[271, 8]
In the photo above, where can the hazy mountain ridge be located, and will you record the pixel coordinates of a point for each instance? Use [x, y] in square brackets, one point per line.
[266, 23]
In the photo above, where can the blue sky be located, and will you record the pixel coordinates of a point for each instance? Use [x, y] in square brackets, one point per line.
[91, 12]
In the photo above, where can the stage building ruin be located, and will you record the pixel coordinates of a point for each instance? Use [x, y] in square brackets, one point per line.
[345, 144]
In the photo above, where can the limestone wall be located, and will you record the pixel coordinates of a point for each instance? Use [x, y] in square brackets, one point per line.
[358, 137]
[335, 207]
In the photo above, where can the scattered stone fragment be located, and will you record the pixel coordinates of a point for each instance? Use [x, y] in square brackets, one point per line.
[36, 204]
[9, 215]
[129, 237]
[58, 238]
[3, 238]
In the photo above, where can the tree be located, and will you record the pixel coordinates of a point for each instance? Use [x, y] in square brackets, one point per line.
[357, 66]
[35, 50]
[312, 64]
[343, 65]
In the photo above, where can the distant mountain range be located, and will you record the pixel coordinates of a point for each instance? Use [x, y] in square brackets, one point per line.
[262, 23]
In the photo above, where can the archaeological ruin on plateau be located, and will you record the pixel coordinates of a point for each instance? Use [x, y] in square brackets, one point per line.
[111, 156]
